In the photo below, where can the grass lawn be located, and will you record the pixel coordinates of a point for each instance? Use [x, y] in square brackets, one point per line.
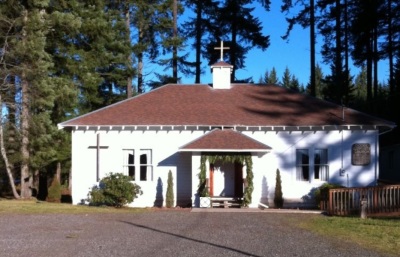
[380, 234]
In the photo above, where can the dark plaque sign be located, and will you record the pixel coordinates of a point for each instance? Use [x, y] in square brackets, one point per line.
[361, 154]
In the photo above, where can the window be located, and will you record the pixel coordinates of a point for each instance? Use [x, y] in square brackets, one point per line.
[129, 163]
[142, 163]
[321, 167]
[304, 167]
[146, 168]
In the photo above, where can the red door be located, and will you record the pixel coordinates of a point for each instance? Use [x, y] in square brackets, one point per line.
[211, 181]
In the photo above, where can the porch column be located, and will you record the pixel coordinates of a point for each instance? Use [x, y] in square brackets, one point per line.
[244, 177]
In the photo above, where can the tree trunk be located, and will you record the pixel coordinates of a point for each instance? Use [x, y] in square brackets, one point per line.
[70, 181]
[198, 41]
[25, 115]
[312, 48]
[346, 41]
[390, 49]
[376, 58]
[25, 174]
[175, 47]
[58, 172]
[233, 45]
[369, 71]
[338, 52]
[129, 91]
[140, 62]
[5, 158]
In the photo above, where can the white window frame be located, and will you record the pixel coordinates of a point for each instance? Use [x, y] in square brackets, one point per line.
[127, 166]
[309, 162]
[142, 171]
[301, 165]
[323, 171]
[147, 167]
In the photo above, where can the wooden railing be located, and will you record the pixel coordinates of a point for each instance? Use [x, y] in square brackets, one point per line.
[376, 200]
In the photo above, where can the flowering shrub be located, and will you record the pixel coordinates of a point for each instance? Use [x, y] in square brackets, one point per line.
[116, 189]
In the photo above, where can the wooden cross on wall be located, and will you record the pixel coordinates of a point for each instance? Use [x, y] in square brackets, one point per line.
[98, 147]
[221, 48]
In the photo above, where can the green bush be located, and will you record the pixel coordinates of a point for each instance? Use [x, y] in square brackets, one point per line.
[116, 190]
[170, 191]
[54, 191]
[278, 198]
[321, 193]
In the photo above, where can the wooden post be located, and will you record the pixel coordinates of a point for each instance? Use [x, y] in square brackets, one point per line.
[363, 207]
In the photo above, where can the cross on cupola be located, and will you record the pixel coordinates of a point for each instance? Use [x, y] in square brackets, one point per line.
[221, 48]
[221, 71]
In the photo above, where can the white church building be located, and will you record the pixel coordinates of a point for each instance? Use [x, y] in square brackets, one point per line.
[310, 141]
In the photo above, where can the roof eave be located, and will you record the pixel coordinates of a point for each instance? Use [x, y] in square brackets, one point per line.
[227, 150]
[234, 127]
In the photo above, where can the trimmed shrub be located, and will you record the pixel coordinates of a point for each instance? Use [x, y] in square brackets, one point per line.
[170, 191]
[321, 193]
[54, 191]
[116, 190]
[278, 198]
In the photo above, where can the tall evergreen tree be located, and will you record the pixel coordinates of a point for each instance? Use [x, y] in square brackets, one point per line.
[56, 48]
[202, 24]
[171, 41]
[365, 31]
[286, 79]
[306, 17]
[273, 77]
[28, 65]
[240, 30]
[144, 17]
[295, 84]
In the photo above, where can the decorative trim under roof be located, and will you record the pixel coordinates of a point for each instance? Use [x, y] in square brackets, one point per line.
[225, 141]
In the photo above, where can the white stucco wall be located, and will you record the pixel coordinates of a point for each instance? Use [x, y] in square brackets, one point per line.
[165, 157]
[185, 166]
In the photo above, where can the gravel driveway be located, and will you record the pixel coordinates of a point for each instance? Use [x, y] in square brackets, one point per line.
[166, 233]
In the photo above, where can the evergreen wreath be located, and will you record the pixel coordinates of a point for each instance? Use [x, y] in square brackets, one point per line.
[227, 158]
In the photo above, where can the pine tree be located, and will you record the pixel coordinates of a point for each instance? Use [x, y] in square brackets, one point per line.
[306, 17]
[273, 77]
[198, 27]
[171, 40]
[295, 84]
[278, 198]
[29, 65]
[170, 191]
[144, 21]
[240, 30]
[286, 79]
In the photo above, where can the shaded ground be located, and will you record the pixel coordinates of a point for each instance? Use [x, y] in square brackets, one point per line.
[166, 233]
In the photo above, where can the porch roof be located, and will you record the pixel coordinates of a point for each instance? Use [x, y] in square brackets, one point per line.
[226, 140]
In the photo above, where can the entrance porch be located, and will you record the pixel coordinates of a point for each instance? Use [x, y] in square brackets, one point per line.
[225, 184]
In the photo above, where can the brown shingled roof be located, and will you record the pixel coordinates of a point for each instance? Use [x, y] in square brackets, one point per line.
[242, 105]
[225, 140]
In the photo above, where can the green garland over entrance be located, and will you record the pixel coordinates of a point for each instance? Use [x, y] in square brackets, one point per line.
[227, 158]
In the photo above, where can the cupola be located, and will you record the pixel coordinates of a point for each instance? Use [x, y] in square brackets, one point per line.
[221, 71]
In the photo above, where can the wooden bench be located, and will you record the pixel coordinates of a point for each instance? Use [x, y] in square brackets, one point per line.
[225, 202]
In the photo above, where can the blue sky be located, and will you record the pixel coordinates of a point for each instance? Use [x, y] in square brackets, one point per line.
[292, 53]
